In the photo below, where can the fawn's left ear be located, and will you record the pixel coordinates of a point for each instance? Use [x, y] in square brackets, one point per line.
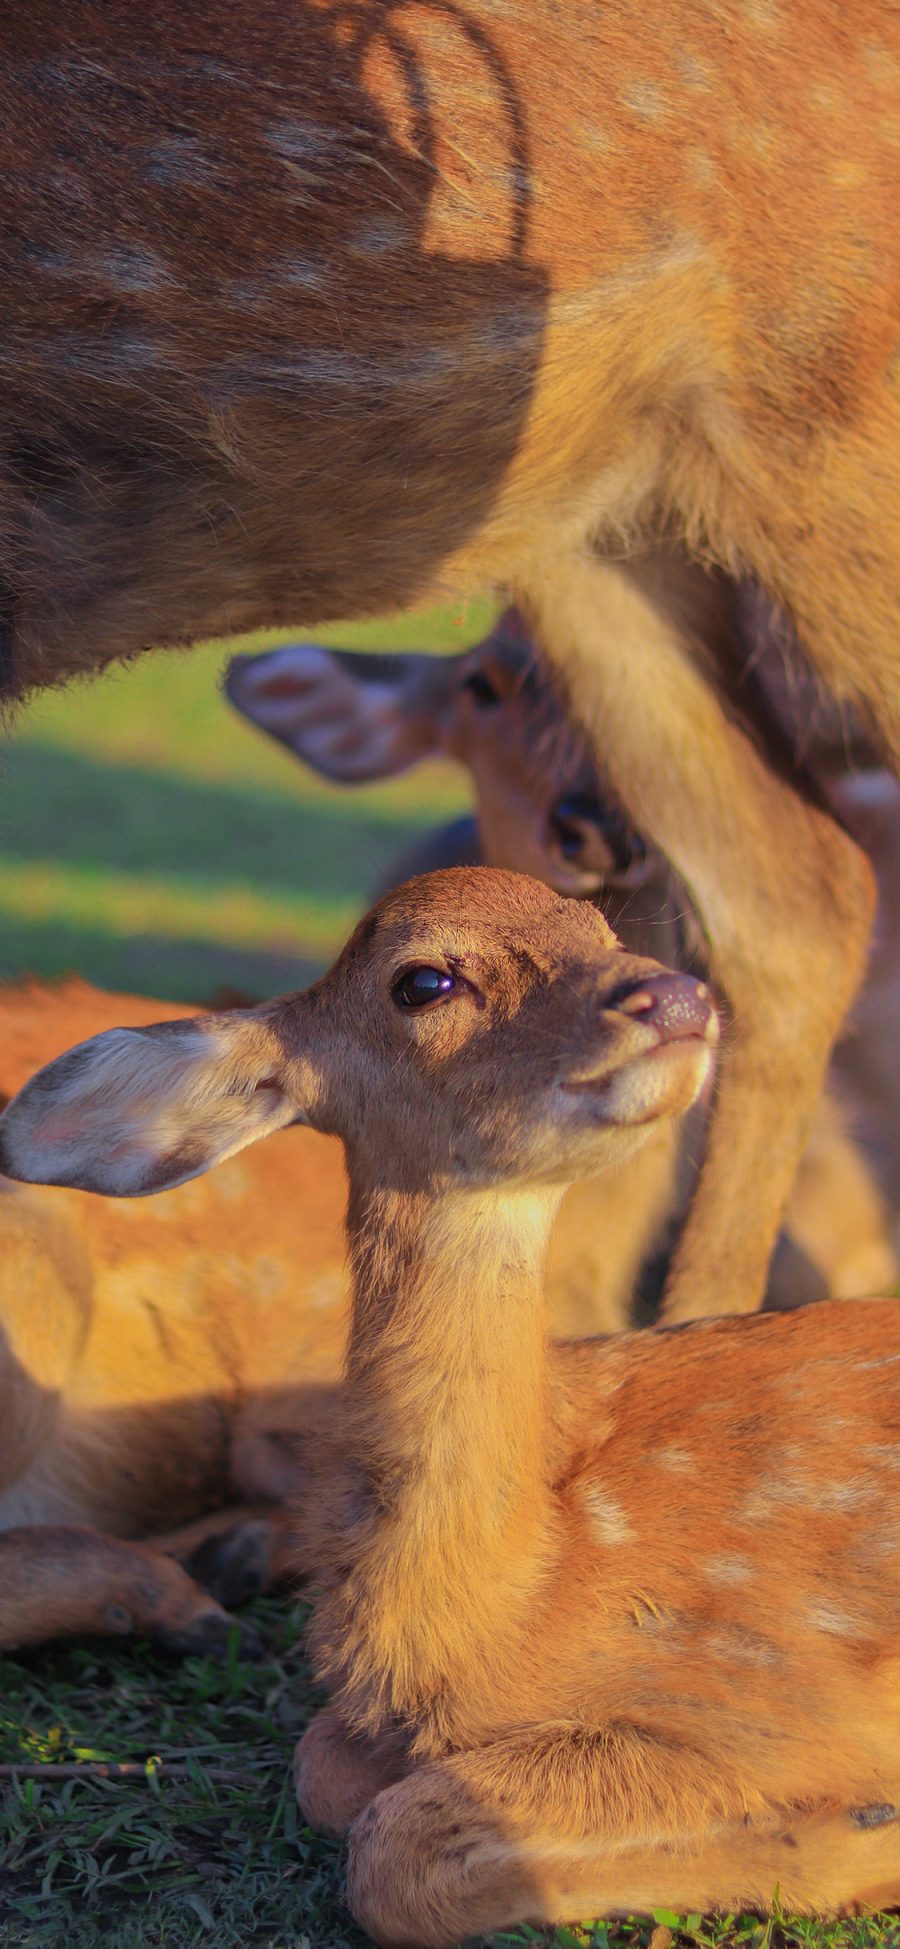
[135, 1111]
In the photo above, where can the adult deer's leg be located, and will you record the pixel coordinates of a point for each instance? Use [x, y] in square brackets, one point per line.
[604, 1230]
[62, 1582]
[558, 1830]
[836, 1215]
[785, 896]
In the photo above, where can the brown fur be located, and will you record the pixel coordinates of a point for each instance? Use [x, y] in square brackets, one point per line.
[536, 787]
[158, 1359]
[153, 1359]
[606, 1625]
[308, 314]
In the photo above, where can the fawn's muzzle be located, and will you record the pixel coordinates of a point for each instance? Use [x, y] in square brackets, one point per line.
[675, 1005]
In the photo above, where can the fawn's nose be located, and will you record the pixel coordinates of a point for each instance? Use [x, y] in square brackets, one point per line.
[674, 1005]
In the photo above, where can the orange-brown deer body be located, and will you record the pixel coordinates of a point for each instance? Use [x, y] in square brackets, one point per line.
[307, 312]
[607, 1625]
[154, 1360]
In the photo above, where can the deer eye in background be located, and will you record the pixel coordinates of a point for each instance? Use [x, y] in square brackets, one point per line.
[418, 987]
[481, 688]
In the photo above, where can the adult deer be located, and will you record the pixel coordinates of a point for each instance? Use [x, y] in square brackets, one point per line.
[543, 806]
[574, 1669]
[308, 309]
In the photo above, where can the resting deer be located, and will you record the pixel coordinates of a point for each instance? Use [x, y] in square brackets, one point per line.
[310, 311]
[156, 1362]
[544, 807]
[606, 1624]
[153, 1361]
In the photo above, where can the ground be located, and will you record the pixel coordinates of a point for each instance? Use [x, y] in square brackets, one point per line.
[151, 841]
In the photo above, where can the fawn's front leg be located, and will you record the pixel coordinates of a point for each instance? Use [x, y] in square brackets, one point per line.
[336, 1775]
[785, 896]
[576, 1825]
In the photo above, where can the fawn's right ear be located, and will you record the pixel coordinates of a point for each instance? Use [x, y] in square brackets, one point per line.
[135, 1111]
[351, 717]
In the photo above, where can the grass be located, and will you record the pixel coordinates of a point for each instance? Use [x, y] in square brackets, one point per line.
[154, 1863]
[150, 841]
[178, 1864]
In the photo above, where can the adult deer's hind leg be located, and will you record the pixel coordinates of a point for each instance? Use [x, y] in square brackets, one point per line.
[561, 1831]
[60, 1582]
[785, 896]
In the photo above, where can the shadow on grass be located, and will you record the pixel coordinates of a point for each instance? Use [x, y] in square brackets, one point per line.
[57, 805]
[149, 964]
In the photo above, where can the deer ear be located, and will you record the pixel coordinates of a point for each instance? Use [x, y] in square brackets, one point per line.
[135, 1111]
[351, 717]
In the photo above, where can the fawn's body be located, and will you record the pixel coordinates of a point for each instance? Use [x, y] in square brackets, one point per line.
[606, 1625]
[307, 313]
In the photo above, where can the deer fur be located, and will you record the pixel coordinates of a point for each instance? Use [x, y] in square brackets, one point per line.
[608, 1624]
[157, 1361]
[544, 807]
[309, 315]
[154, 1360]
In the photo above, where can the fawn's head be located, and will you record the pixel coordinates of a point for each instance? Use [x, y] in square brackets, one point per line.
[476, 1029]
[543, 808]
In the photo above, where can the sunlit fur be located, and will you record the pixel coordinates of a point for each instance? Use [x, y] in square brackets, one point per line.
[157, 1357]
[353, 717]
[309, 316]
[607, 1625]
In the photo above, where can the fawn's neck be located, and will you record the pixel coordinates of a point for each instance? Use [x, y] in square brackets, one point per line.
[447, 1387]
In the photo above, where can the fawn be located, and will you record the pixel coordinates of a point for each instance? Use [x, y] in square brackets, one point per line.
[311, 311]
[606, 1624]
[544, 807]
[157, 1363]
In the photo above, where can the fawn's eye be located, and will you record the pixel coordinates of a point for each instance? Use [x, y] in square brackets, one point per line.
[419, 986]
[480, 687]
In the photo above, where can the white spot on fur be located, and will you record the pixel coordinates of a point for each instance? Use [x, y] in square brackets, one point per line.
[765, 14]
[645, 99]
[701, 168]
[729, 1568]
[301, 141]
[742, 1648]
[805, 1492]
[677, 1460]
[885, 1454]
[824, 1615]
[130, 269]
[607, 1516]
[380, 236]
[177, 159]
[693, 72]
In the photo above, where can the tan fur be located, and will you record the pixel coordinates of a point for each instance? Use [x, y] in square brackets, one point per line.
[306, 318]
[535, 785]
[157, 1359]
[153, 1357]
[606, 1625]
